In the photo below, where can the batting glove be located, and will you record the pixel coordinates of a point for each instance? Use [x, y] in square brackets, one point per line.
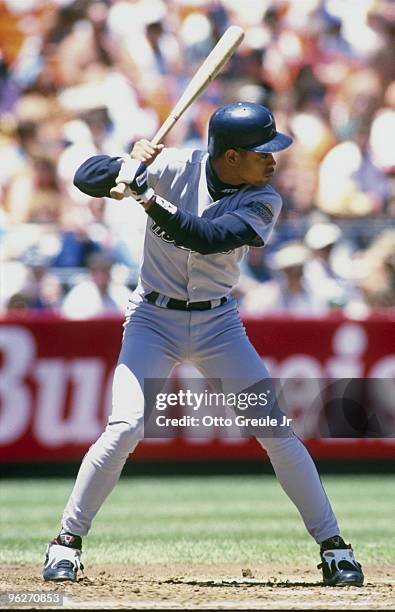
[134, 174]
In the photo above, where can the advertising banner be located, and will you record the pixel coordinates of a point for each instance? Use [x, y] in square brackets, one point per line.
[56, 379]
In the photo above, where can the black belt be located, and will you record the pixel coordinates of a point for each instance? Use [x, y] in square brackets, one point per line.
[184, 304]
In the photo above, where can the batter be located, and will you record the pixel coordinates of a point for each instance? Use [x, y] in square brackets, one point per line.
[205, 209]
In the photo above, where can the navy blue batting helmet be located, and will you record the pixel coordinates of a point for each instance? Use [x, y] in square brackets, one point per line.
[244, 125]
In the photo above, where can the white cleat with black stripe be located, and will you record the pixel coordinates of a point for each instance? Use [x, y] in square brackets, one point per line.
[339, 566]
[63, 559]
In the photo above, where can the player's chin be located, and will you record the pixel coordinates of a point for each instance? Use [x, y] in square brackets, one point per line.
[263, 181]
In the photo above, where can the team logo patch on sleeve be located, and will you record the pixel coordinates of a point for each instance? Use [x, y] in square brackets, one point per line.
[265, 211]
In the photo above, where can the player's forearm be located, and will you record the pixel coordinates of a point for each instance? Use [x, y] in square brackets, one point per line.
[98, 174]
[204, 236]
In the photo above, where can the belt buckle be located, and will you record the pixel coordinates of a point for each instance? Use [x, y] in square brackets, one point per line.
[187, 305]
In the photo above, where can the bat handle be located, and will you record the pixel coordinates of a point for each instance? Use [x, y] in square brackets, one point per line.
[118, 192]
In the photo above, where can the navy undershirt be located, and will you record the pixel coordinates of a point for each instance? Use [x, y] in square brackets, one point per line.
[217, 189]
[96, 176]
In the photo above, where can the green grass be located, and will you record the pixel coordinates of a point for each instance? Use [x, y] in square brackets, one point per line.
[217, 519]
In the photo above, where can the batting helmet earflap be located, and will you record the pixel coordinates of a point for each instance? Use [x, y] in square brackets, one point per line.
[244, 125]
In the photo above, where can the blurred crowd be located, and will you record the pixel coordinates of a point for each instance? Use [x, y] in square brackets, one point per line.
[80, 77]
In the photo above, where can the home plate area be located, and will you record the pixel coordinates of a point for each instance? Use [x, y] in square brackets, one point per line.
[200, 587]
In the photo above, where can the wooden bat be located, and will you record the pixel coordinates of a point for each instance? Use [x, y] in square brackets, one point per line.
[211, 66]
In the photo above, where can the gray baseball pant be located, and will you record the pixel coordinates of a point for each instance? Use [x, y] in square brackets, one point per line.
[214, 341]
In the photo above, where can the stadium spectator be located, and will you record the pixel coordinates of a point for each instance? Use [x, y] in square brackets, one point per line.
[82, 77]
[321, 273]
[40, 288]
[288, 291]
[98, 294]
[377, 280]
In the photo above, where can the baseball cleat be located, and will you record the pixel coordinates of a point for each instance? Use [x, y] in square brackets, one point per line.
[340, 568]
[63, 559]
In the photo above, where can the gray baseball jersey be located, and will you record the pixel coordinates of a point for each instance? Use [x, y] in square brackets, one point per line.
[176, 271]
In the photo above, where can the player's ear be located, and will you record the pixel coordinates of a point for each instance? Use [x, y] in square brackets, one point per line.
[232, 157]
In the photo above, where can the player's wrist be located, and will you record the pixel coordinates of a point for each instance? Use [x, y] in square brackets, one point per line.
[133, 173]
[145, 199]
[130, 169]
[160, 210]
[162, 205]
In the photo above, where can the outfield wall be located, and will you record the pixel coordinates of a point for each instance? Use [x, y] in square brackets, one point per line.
[56, 375]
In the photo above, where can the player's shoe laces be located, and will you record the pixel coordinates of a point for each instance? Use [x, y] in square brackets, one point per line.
[339, 567]
[63, 558]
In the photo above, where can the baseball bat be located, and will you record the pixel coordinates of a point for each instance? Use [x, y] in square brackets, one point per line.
[211, 66]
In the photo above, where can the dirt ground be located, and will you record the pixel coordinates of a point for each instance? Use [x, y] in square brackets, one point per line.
[200, 587]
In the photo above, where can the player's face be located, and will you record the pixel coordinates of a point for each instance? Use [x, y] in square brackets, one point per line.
[255, 168]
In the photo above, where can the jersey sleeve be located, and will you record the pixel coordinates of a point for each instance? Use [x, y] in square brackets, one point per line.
[205, 236]
[96, 176]
[261, 212]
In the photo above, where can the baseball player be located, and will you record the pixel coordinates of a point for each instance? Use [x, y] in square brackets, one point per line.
[205, 209]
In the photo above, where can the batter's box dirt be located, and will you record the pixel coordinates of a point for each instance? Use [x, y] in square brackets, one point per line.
[203, 587]
[242, 582]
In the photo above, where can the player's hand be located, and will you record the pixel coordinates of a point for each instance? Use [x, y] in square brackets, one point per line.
[134, 174]
[145, 151]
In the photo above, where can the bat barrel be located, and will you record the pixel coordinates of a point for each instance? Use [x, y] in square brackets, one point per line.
[220, 54]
